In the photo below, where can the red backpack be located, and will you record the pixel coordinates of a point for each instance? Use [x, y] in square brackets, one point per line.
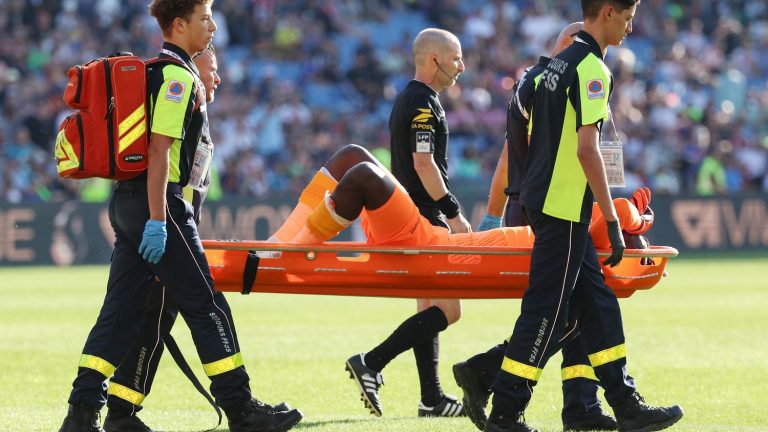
[108, 136]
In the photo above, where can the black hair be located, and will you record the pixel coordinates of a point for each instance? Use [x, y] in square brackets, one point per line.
[591, 8]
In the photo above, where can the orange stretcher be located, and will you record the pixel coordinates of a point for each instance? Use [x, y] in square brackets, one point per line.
[359, 269]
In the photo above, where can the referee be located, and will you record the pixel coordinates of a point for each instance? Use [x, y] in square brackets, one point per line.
[565, 174]
[419, 142]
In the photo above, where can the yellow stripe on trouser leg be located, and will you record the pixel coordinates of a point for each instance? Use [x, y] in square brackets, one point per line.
[98, 364]
[578, 371]
[224, 365]
[125, 393]
[520, 369]
[608, 355]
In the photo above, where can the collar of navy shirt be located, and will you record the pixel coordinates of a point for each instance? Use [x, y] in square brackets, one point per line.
[171, 50]
[586, 38]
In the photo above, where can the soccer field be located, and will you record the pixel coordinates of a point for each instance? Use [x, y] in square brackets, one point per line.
[697, 339]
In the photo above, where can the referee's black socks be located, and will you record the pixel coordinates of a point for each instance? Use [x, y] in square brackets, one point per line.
[427, 354]
[420, 328]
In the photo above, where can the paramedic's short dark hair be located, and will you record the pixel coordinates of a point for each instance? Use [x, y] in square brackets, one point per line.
[590, 8]
[165, 11]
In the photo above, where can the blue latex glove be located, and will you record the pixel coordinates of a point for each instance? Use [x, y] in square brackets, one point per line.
[152, 244]
[489, 222]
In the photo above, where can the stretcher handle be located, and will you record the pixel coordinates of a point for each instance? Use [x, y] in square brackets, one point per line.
[360, 247]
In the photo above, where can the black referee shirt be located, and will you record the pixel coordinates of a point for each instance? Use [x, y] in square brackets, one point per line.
[417, 125]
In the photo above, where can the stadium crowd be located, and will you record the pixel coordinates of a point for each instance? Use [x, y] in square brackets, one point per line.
[302, 78]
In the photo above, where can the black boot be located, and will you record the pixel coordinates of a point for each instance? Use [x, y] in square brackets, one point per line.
[82, 418]
[634, 415]
[500, 421]
[593, 420]
[476, 396]
[255, 416]
[119, 421]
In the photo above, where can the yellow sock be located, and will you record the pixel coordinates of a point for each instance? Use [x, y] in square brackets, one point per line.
[323, 224]
[310, 197]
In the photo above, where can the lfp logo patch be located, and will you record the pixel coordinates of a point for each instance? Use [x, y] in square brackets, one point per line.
[175, 91]
[595, 89]
[423, 142]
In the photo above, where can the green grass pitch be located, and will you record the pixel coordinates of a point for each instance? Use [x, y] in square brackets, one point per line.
[697, 339]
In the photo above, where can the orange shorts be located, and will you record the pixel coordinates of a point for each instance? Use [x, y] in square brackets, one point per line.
[398, 222]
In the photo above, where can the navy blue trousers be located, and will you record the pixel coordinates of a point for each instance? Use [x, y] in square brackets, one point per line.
[579, 392]
[183, 271]
[566, 288]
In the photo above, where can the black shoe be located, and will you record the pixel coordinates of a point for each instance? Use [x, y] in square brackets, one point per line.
[282, 407]
[368, 381]
[634, 415]
[475, 397]
[256, 416]
[81, 418]
[448, 406]
[593, 420]
[507, 422]
[121, 422]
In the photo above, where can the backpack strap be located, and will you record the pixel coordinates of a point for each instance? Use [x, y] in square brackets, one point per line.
[170, 60]
[173, 348]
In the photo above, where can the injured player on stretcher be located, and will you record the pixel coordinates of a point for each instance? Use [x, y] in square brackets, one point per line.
[353, 183]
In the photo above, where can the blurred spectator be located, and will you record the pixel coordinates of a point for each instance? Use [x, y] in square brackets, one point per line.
[711, 178]
[307, 76]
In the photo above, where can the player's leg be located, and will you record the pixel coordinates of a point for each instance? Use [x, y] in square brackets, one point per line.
[363, 186]
[325, 179]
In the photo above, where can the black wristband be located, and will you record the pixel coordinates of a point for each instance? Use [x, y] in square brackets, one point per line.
[449, 205]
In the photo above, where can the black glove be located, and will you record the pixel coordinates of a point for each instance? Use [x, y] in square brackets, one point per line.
[617, 244]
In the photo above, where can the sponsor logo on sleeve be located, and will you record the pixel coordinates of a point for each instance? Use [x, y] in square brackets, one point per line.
[595, 89]
[424, 115]
[175, 92]
[423, 142]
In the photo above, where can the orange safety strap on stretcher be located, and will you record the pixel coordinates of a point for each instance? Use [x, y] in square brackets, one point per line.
[359, 269]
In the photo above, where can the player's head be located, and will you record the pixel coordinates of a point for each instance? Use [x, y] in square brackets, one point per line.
[187, 23]
[208, 68]
[565, 38]
[437, 53]
[613, 16]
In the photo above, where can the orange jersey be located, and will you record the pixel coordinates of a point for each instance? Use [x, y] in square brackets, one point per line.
[629, 220]
[398, 222]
